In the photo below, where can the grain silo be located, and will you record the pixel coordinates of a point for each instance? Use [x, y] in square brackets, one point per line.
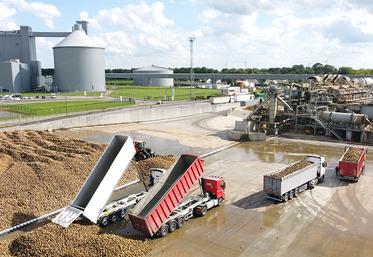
[143, 78]
[79, 63]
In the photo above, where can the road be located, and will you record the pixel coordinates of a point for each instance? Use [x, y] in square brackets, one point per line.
[331, 220]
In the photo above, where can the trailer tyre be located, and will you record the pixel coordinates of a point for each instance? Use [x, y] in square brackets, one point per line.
[122, 214]
[220, 201]
[285, 197]
[164, 230]
[173, 226]
[296, 192]
[291, 194]
[104, 221]
[113, 218]
[204, 210]
[180, 222]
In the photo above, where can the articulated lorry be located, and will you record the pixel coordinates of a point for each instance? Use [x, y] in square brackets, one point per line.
[352, 163]
[163, 210]
[288, 182]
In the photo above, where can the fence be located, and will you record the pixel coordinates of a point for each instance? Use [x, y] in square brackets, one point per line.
[13, 113]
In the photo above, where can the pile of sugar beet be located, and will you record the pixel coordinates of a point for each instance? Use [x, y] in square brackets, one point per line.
[41, 172]
[353, 154]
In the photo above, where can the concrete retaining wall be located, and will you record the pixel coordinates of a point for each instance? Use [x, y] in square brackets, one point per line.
[127, 115]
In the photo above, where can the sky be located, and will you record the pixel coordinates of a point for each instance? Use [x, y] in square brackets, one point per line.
[232, 34]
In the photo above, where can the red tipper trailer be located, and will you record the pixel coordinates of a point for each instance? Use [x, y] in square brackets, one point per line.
[154, 209]
[352, 163]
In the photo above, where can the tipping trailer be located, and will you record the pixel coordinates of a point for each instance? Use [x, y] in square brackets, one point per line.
[118, 209]
[352, 163]
[162, 210]
[288, 182]
[101, 182]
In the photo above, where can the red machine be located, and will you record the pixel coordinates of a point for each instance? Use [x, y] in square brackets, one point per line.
[162, 210]
[350, 168]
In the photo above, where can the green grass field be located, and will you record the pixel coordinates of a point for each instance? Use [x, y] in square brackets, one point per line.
[60, 107]
[162, 93]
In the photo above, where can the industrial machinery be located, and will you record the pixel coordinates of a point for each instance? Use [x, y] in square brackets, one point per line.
[352, 163]
[288, 182]
[143, 152]
[162, 210]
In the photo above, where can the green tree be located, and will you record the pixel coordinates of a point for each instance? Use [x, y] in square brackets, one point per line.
[317, 68]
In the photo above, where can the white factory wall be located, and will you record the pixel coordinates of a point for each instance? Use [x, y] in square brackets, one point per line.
[127, 115]
[15, 76]
[143, 80]
[79, 69]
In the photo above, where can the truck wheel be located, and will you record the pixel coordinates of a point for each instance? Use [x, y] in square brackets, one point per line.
[311, 184]
[291, 194]
[180, 222]
[164, 230]
[113, 218]
[122, 213]
[321, 179]
[204, 211]
[104, 221]
[285, 197]
[220, 201]
[173, 226]
[337, 171]
[296, 192]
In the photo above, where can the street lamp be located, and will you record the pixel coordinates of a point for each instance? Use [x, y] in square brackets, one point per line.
[191, 40]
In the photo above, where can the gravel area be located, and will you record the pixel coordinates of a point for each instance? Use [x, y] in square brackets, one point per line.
[352, 155]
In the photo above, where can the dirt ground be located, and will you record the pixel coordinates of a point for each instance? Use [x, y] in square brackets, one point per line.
[331, 220]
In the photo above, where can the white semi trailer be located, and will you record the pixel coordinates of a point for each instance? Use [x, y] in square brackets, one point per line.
[288, 182]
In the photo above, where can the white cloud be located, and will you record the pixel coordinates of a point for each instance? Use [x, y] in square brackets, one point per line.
[46, 12]
[263, 33]
[6, 17]
[141, 33]
[93, 23]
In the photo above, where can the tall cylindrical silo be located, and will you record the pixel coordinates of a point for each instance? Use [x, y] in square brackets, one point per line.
[142, 76]
[79, 63]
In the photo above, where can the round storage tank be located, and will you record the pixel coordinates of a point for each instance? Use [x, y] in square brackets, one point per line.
[143, 77]
[79, 63]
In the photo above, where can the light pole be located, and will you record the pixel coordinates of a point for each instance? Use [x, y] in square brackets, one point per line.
[191, 40]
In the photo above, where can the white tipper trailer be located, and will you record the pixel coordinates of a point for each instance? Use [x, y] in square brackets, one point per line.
[283, 188]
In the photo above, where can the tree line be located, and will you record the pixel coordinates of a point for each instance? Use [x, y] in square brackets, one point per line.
[317, 68]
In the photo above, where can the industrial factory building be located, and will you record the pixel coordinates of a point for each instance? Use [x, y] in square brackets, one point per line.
[143, 76]
[79, 63]
[14, 76]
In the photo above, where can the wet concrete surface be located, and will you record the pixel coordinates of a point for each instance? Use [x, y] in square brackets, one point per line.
[333, 219]
[159, 145]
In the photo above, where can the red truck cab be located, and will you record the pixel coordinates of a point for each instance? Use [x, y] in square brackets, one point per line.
[214, 186]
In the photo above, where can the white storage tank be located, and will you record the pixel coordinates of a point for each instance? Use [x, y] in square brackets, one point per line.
[143, 78]
[79, 63]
